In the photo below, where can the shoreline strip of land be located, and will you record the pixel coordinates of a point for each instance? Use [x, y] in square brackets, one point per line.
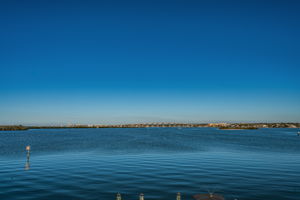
[223, 126]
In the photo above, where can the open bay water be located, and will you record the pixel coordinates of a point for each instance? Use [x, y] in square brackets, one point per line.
[95, 164]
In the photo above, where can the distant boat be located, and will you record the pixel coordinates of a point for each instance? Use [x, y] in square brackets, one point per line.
[298, 133]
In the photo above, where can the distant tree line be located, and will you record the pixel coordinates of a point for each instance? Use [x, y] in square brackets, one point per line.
[13, 128]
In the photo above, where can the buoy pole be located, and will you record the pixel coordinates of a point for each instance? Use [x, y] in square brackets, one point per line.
[27, 165]
[28, 152]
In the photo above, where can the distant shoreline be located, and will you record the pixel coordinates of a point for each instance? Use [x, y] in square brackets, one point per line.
[221, 126]
[246, 128]
[230, 129]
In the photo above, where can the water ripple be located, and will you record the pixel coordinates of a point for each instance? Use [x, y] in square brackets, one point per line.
[97, 163]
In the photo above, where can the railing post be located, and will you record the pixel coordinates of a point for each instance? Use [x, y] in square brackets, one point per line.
[178, 197]
[141, 196]
[118, 197]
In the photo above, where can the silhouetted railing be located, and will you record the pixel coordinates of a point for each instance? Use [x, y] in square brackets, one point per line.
[141, 197]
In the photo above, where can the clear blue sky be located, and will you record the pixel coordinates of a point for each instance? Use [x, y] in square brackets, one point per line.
[96, 62]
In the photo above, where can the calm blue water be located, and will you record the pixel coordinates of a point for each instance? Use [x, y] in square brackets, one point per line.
[86, 164]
